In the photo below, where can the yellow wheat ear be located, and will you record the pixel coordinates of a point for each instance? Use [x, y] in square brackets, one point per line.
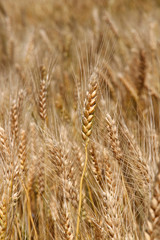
[90, 105]
[43, 94]
[87, 120]
[153, 222]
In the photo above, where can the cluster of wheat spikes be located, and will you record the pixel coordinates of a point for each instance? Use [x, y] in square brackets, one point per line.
[79, 120]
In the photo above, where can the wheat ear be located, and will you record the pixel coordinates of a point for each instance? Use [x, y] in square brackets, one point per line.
[94, 165]
[4, 145]
[118, 154]
[87, 121]
[43, 94]
[43, 115]
[22, 152]
[153, 223]
[14, 120]
[67, 224]
[3, 217]
[142, 71]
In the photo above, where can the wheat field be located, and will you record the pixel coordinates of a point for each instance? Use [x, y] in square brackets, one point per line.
[79, 120]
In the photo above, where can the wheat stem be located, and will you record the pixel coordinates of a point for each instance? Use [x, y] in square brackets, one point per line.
[29, 212]
[81, 186]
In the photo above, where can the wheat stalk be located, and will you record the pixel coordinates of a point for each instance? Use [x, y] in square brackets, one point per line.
[87, 121]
